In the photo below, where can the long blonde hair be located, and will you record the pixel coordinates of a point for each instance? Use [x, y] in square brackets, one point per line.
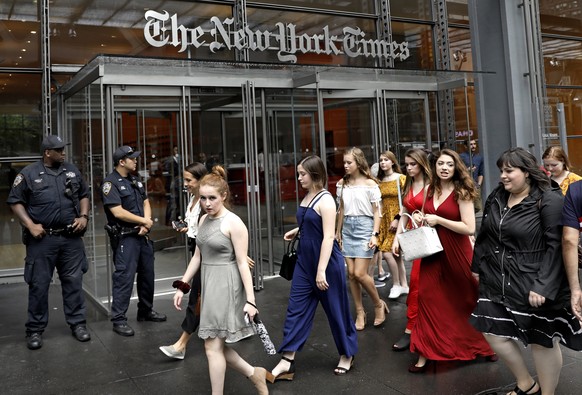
[361, 163]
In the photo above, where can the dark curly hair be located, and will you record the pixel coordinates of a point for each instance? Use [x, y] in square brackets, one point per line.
[462, 180]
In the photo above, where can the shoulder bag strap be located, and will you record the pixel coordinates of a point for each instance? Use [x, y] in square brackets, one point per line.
[306, 208]
[399, 193]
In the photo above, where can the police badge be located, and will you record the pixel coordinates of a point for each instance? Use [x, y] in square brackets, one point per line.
[106, 188]
[17, 180]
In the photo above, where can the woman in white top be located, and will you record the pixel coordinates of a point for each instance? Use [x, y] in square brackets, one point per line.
[192, 176]
[357, 232]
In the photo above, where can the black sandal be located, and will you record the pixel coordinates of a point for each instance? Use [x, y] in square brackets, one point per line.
[519, 391]
[288, 375]
[339, 371]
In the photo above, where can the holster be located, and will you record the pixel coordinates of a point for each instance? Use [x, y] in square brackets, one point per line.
[26, 236]
[114, 233]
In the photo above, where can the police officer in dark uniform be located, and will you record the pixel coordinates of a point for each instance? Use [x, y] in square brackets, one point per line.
[50, 198]
[128, 223]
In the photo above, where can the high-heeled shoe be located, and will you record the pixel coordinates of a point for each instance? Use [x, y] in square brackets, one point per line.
[519, 391]
[403, 343]
[492, 358]
[380, 312]
[259, 378]
[339, 371]
[419, 369]
[287, 375]
[360, 320]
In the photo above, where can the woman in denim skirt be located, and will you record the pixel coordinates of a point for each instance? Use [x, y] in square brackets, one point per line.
[357, 232]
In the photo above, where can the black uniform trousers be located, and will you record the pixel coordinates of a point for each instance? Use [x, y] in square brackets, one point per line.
[134, 254]
[67, 255]
[192, 319]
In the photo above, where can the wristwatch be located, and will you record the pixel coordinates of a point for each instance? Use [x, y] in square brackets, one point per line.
[375, 234]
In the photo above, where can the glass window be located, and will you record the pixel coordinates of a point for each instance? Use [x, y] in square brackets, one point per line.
[572, 101]
[465, 129]
[20, 116]
[80, 31]
[562, 61]
[309, 30]
[419, 38]
[365, 6]
[457, 11]
[20, 42]
[460, 49]
[420, 9]
[561, 17]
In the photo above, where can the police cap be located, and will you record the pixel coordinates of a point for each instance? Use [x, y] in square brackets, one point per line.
[52, 141]
[124, 152]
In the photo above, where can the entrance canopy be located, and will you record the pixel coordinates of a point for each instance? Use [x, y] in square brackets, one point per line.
[118, 70]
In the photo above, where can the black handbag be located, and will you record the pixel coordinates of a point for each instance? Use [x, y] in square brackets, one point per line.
[290, 257]
[289, 260]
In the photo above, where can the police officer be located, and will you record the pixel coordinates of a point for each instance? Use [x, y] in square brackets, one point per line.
[129, 221]
[50, 198]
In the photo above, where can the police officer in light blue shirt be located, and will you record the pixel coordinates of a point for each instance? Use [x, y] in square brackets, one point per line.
[50, 199]
[129, 221]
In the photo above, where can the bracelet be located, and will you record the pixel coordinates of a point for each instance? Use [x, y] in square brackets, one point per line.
[85, 216]
[252, 304]
[182, 286]
[397, 217]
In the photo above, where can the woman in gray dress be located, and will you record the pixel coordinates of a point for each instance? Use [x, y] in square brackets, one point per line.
[227, 294]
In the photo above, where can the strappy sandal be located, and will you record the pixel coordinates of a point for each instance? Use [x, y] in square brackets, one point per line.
[287, 375]
[340, 371]
[519, 391]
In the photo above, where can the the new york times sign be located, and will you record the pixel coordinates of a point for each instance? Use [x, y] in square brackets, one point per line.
[162, 29]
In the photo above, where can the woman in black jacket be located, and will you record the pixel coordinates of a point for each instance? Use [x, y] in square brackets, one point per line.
[523, 290]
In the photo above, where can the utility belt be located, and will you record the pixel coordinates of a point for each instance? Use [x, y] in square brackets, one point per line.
[67, 231]
[117, 232]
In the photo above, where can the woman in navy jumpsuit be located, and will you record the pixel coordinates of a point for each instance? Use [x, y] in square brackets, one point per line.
[319, 276]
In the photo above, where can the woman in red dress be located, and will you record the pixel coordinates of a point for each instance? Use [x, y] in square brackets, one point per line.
[447, 291]
[418, 175]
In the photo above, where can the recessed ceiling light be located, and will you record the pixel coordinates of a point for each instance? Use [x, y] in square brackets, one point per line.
[33, 31]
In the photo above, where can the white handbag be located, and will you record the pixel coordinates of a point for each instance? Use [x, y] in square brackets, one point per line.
[418, 242]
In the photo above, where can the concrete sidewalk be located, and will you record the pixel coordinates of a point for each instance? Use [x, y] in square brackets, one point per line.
[112, 364]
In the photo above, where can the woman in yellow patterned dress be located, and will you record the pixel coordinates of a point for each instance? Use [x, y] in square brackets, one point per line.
[389, 175]
[558, 165]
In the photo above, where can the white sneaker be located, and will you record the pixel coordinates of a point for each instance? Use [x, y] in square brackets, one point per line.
[395, 292]
[379, 284]
[171, 352]
[404, 290]
[385, 276]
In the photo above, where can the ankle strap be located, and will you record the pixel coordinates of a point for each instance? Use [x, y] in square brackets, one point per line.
[287, 359]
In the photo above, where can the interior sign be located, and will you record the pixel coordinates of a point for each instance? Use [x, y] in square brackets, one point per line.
[162, 29]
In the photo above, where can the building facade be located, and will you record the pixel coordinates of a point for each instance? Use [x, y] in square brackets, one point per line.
[257, 85]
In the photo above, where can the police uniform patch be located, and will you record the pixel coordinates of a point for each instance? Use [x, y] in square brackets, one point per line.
[106, 188]
[70, 174]
[139, 184]
[17, 180]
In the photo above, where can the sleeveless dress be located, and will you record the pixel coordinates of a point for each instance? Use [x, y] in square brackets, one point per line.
[305, 296]
[447, 295]
[413, 202]
[390, 207]
[222, 296]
